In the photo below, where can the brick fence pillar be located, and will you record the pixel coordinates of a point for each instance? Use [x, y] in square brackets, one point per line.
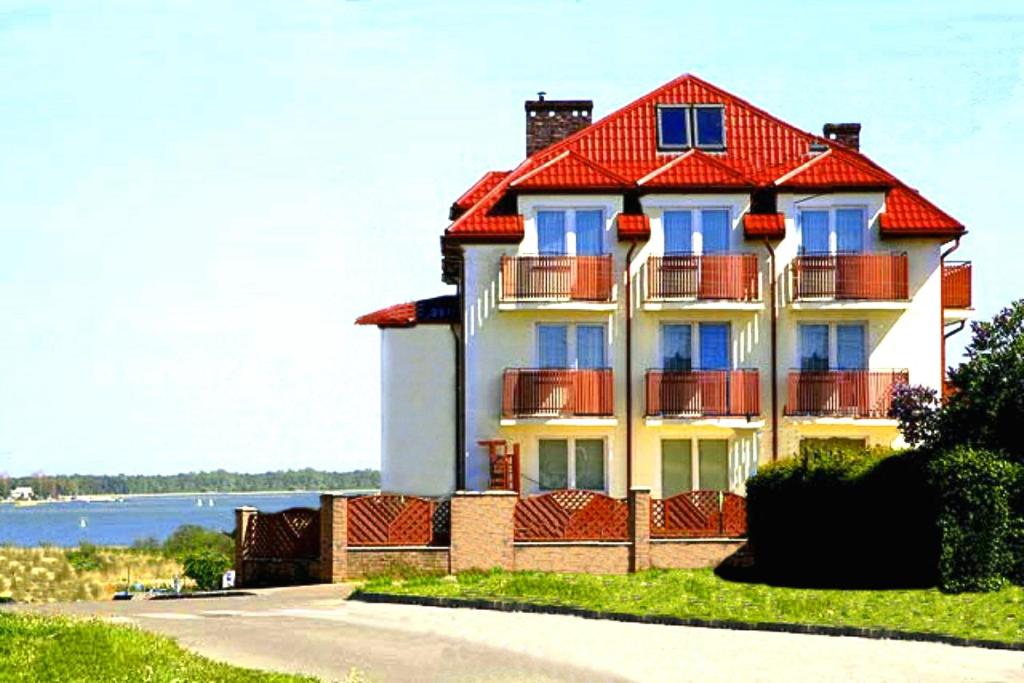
[243, 518]
[483, 530]
[333, 538]
[640, 529]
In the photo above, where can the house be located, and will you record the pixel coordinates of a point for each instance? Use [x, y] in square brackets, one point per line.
[22, 493]
[666, 298]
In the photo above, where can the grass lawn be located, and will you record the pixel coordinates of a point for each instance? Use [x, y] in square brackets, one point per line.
[57, 649]
[699, 594]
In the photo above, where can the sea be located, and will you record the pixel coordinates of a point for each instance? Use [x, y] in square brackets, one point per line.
[69, 523]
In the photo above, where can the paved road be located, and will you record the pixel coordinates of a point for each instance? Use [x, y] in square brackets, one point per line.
[314, 630]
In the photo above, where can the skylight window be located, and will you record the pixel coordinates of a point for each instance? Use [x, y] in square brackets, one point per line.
[710, 126]
[673, 127]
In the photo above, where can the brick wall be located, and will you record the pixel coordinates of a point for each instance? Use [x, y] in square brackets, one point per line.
[483, 530]
[550, 121]
[691, 554]
[363, 562]
[582, 557]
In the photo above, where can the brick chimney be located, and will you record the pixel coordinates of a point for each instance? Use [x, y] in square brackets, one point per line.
[550, 121]
[844, 133]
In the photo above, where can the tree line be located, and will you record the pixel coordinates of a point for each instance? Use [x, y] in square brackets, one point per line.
[45, 485]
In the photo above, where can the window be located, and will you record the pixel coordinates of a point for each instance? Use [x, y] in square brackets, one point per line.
[713, 464]
[685, 126]
[704, 231]
[710, 126]
[587, 350]
[577, 232]
[585, 470]
[821, 342]
[673, 127]
[694, 464]
[676, 467]
[824, 231]
[678, 348]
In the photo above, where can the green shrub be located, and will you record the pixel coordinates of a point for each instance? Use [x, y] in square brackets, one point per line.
[85, 557]
[844, 518]
[206, 567]
[975, 519]
[190, 539]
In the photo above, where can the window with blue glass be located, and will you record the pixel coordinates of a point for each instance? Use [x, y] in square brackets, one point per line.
[678, 232]
[710, 126]
[589, 229]
[814, 232]
[676, 347]
[551, 233]
[714, 228]
[849, 231]
[814, 347]
[590, 346]
[553, 346]
[714, 346]
[673, 127]
[851, 349]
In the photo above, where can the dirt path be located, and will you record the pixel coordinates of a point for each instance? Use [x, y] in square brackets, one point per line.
[314, 630]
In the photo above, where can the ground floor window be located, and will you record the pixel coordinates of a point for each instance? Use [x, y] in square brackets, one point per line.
[584, 470]
[694, 464]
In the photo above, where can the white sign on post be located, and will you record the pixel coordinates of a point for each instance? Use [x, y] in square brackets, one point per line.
[228, 580]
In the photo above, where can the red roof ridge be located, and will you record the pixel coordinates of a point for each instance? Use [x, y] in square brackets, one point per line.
[703, 156]
[484, 180]
[575, 156]
[802, 167]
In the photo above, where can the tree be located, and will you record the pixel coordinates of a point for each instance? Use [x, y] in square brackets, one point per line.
[985, 408]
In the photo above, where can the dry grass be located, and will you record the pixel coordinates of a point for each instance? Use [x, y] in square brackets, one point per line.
[45, 574]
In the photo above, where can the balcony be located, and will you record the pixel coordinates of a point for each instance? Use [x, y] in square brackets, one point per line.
[956, 284]
[693, 278]
[556, 279]
[843, 393]
[703, 393]
[850, 278]
[557, 393]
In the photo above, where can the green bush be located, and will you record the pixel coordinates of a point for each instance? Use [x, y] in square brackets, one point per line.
[979, 535]
[84, 558]
[206, 567]
[844, 518]
[190, 539]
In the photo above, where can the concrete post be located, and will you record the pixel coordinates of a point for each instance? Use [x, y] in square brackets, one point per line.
[640, 529]
[333, 538]
[483, 530]
[243, 519]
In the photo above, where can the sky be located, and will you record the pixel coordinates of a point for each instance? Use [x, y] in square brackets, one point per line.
[197, 199]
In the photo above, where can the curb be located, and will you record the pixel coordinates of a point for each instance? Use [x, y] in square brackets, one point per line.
[664, 620]
[200, 596]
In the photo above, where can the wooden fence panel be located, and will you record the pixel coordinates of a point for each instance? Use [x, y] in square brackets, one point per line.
[571, 515]
[291, 534]
[699, 514]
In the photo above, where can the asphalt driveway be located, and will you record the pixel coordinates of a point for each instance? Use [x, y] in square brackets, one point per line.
[315, 630]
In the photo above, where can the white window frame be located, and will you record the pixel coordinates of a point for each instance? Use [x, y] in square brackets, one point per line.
[696, 128]
[571, 351]
[694, 326]
[688, 118]
[833, 234]
[570, 226]
[833, 341]
[571, 455]
[695, 459]
[697, 225]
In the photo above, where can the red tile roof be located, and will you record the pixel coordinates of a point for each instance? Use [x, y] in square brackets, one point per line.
[764, 224]
[569, 170]
[440, 310]
[480, 188]
[907, 213]
[620, 151]
[835, 169]
[633, 225]
[695, 169]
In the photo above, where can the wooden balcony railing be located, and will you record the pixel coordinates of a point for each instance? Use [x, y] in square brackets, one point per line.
[703, 393]
[556, 278]
[956, 284]
[868, 277]
[557, 393]
[731, 277]
[843, 393]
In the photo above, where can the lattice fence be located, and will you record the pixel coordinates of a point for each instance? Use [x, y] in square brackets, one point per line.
[396, 520]
[699, 514]
[292, 534]
[571, 516]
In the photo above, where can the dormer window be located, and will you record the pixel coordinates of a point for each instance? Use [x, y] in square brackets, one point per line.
[710, 126]
[684, 126]
[673, 127]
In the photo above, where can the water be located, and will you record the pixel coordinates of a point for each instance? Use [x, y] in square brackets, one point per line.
[110, 523]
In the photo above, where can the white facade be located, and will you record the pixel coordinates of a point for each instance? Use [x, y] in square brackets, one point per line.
[900, 335]
[418, 410]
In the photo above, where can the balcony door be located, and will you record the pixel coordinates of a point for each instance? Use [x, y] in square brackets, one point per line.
[566, 353]
[831, 358]
[685, 392]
